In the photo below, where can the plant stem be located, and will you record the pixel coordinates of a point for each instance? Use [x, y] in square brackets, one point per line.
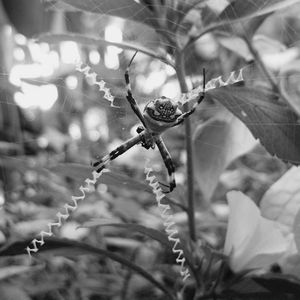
[268, 74]
[180, 70]
[89, 40]
[261, 64]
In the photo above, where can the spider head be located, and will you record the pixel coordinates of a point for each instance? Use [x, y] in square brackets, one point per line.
[163, 109]
[161, 113]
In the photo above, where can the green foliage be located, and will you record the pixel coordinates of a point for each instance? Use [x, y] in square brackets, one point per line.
[71, 248]
[79, 173]
[273, 124]
[248, 9]
[218, 142]
[127, 9]
[45, 161]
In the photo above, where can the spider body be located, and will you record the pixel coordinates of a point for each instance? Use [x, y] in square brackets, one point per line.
[159, 115]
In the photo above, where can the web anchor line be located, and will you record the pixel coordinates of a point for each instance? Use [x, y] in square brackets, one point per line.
[63, 216]
[170, 225]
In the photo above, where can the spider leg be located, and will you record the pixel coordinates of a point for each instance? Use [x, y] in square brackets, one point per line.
[129, 96]
[168, 163]
[192, 110]
[101, 164]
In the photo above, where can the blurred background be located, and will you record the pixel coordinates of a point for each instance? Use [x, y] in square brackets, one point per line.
[54, 121]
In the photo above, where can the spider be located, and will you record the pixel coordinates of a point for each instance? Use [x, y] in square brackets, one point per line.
[158, 115]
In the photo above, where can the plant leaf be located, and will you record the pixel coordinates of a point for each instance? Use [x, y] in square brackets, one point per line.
[6, 272]
[273, 124]
[289, 85]
[232, 29]
[22, 164]
[80, 172]
[98, 42]
[279, 283]
[240, 9]
[263, 287]
[67, 247]
[150, 232]
[281, 201]
[127, 9]
[264, 45]
[59, 5]
[296, 230]
[10, 291]
[217, 143]
[252, 241]
[252, 13]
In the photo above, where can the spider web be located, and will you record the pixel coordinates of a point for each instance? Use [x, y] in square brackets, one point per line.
[46, 153]
[149, 79]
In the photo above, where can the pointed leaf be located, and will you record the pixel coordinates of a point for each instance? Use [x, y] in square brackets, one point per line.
[68, 247]
[269, 49]
[246, 288]
[240, 9]
[59, 5]
[247, 27]
[99, 42]
[279, 283]
[289, 82]
[273, 124]
[80, 172]
[281, 201]
[296, 230]
[150, 232]
[128, 9]
[217, 143]
[252, 241]
[251, 12]
[6, 272]
[21, 164]
[12, 292]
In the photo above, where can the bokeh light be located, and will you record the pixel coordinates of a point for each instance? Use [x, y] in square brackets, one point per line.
[69, 52]
[75, 131]
[33, 96]
[94, 57]
[72, 82]
[113, 33]
[19, 54]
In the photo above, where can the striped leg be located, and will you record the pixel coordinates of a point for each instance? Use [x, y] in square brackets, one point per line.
[168, 163]
[129, 96]
[101, 164]
[192, 110]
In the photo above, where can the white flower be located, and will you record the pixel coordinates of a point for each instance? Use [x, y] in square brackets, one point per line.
[252, 241]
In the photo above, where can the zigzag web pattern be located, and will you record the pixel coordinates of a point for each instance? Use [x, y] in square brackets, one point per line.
[63, 216]
[170, 229]
[234, 77]
[89, 74]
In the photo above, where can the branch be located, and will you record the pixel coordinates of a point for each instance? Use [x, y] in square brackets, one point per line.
[85, 40]
[180, 70]
[267, 73]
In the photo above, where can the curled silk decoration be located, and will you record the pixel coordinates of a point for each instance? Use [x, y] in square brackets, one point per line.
[234, 77]
[87, 71]
[63, 216]
[170, 229]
